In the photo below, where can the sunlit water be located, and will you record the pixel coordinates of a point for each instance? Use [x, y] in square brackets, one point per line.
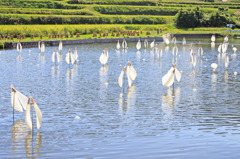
[197, 118]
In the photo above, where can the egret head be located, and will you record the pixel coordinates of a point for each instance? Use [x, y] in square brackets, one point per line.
[129, 64]
[124, 69]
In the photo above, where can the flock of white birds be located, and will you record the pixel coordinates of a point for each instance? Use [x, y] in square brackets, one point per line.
[20, 102]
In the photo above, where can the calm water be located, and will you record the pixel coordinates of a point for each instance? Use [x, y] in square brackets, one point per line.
[199, 118]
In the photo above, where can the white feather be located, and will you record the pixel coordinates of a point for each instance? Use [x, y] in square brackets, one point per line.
[28, 117]
[178, 75]
[38, 114]
[120, 79]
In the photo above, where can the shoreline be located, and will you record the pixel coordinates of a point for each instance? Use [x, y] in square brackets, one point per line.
[30, 44]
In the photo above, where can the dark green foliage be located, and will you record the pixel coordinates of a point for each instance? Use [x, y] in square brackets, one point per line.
[125, 10]
[35, 19]
[118, 2]
[189, 18]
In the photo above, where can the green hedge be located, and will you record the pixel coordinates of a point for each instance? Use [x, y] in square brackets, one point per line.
[45, 11]
[118, 2]
[126, 10]
[54, 19]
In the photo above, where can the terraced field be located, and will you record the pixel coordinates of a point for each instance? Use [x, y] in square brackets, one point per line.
[85, 12]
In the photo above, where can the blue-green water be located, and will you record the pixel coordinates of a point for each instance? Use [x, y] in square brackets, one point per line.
[198, 118]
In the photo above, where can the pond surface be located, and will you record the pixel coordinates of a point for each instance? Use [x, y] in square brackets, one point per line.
[197, 118]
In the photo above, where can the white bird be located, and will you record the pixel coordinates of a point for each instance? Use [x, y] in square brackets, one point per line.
[226, 60]
[234, 49]
[39, 45]
[220, 48]
[19, 47]
[145, 43]
[152, 44]
[55, 55]
[224, 47]
[226, 39]
[104, 57]
[214, 66]
[18, 100]
[194, 59]
[28, 114]
[213, 38]
[118, 45]
[124, 44]
[138, 46]
[69, 57]
[168, 79]
[184, 41]
[131, 75]
[42, 47]
[75, 55]
[60, 46]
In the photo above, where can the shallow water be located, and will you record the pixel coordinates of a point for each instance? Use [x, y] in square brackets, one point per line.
[197, 118]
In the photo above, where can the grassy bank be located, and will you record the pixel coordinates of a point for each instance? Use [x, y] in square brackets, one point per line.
[54, 32]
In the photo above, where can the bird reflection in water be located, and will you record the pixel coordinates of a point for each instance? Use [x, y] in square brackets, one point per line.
[166, 49]
[213, 46]
[125, 103]
[55, 71]
[70, 74]
[226, 76]
[138, 54]
[170, 100]
[21, 136]
[103, 77]
[19, 58]
[214, 82]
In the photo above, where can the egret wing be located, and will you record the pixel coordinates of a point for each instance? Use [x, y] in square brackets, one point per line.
[178, 75]
[129, 79]
[120, 79]
[38, 114]
[28, 117]
[53, 57]
[23, 100]
[168, 79]
[68, 58]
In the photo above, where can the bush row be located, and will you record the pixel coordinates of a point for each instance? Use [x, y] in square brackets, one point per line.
[118, 2]
[126, 10]
[45, 30]
[45, 11]
[45, 19]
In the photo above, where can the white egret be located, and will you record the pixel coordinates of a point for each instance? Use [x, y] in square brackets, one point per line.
[152, 44]
[28, 115]
[39, 45]
[18, 100]
[60, 46]
[69, 57]
[220, 48]
[214, 66]
[131, 75]
[138, 46]
[42, 47]
[224, 47]
[168, 79]
[184, 41]
[234, 49]
[19, 47]
[55, 56]
[226, 60]
[194, 59]
[213, 38]
[124, 44]
[226, 39]
[75, 55]
[145, 43]
[235, 73]
[118, 45]
[104, 57]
